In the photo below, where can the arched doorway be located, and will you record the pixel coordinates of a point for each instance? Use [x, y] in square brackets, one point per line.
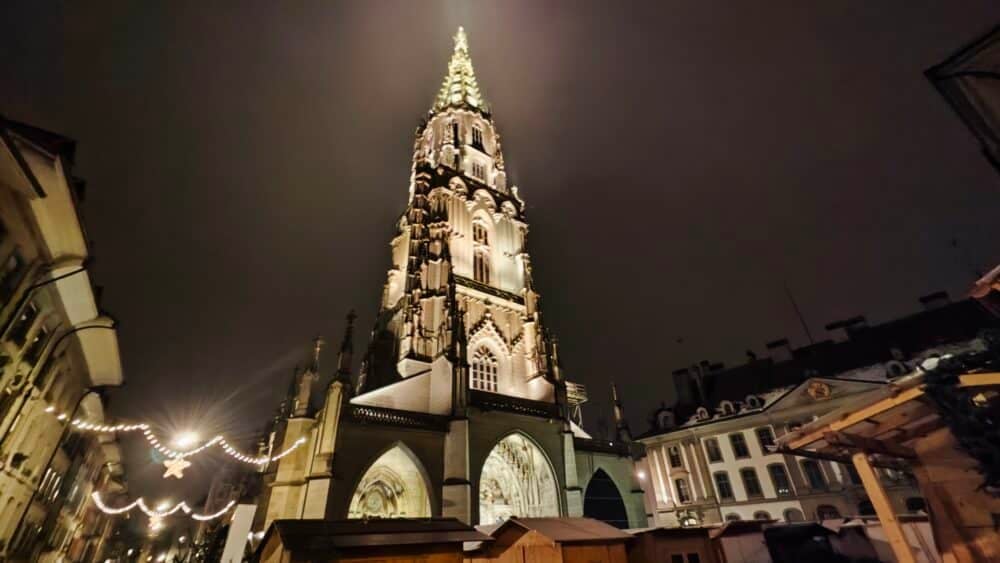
[393, 487]
[517, 480]
[603, 502]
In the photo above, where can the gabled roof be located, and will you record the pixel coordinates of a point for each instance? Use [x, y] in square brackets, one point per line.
[910, 335]
[566, 530]
[785, 397]
[52, 143]
[325, 535]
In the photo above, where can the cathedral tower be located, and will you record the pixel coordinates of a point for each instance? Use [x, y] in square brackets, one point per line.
[459, 251]
[461, 408]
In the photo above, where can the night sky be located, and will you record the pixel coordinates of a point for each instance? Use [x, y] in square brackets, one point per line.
[681, 163]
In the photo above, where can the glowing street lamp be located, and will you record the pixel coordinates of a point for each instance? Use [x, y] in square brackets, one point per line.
[186, 439]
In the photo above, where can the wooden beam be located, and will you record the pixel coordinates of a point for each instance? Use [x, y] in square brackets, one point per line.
[891, 463]
[856, 417]
[868, 445]
[883, 508]
[920, 429]
[979, 379]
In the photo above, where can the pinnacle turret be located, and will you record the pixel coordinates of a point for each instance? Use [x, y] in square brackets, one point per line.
[460, 89]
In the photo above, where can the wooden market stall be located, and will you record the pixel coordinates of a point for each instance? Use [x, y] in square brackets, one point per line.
[429, 540]
[941, 424]
[672, 545]
[555, 540]
[740, 541]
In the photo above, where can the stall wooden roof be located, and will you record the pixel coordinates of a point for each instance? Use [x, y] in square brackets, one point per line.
[325, 535]
[881, 423]
[567, 530]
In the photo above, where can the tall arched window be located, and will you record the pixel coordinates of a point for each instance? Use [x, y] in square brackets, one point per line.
[484, 370]
[481, 266]
[481, 252]
[479, 233]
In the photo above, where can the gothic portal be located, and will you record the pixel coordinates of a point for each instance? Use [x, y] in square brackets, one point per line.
[460, 392]
[517, 480]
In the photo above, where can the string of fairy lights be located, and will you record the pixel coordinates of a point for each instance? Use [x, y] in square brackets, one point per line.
[158, 445]
[175, 463]
[159, 512]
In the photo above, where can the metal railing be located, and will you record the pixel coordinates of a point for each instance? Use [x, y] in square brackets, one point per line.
[494, 402]
[366, 414]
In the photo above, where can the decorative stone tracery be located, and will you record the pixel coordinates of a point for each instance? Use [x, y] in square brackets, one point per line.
[393, 487]
[517, 480]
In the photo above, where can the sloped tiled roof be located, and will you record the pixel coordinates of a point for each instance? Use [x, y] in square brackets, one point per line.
[324, 535]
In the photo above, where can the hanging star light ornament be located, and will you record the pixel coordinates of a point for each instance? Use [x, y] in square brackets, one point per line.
[175, 467]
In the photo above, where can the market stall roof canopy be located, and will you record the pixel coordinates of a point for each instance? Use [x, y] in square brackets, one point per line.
[566, 530]
[302, 536]
[881, 423]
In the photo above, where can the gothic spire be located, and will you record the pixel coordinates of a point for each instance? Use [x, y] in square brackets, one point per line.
[460, 89]
[621, 425]
[317, 347]
[346, 349]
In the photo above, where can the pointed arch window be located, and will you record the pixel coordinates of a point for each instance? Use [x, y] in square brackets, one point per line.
[481, 265]
[485, 370]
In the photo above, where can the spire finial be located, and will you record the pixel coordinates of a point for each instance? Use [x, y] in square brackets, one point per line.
[461, 41]
[460, 89]
[317, 346]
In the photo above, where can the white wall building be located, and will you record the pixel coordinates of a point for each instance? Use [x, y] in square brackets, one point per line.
[56, 347]
[714, 463]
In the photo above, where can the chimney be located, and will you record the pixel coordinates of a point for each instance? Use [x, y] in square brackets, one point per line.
[779, 350]
[682, 387]
[935, 300]
[851, 326]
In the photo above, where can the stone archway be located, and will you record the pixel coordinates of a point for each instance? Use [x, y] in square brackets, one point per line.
[602, 501]
[517, 480]
[394, 486]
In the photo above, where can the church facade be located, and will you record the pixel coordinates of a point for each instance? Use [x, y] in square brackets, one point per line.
[460, 408]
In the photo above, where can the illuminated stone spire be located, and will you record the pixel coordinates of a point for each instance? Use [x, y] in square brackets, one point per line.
[460, 89]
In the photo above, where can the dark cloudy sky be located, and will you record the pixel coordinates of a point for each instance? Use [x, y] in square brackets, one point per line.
[681, 162]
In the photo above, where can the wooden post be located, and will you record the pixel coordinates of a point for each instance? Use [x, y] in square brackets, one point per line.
[883, 508]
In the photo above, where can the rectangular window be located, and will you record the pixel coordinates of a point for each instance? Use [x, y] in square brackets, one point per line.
[712, 450]
[683, 494]
[478, 170]
[852, 474]
[723, 485]
[814, 475]
[10, 275]
[675, 456]
[739, 444]
[479, 233]
[477, 137]
[38, 342]
[481, 266]
[779, 477]
[24, 322]
[751, 483]
[765, 437]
